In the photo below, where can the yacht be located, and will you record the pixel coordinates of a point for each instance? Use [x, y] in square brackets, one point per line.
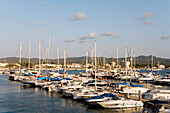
[103, 97]
[147, 78]
[120, 103]
[157, 94]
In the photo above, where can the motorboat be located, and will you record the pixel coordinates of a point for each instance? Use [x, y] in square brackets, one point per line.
[100, 98]
[120, 103]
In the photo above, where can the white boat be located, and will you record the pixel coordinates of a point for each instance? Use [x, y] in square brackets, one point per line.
[54, 88]
[134, 90]
[41, 83]
[163, 81]
[157, 94]
[103, 97]
[146, 78]
[122, 103]
[84, 93]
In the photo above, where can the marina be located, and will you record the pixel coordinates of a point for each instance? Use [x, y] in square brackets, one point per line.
[84, 56]
[51, 100]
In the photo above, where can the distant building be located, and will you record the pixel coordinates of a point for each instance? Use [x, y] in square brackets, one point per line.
[74, 65]
[113, 64]
[46, 65]
[108, 65]
[3, 64]
[123, 64]
[161, 66]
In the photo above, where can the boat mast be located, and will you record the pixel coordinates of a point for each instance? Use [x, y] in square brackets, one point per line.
[95, 64]
[104, 60]
[29, 62]
[98, 61]
[126, 61]
[58, 59]
[152, 62]
[39, 56]
[117, 56]
[112, 61]
[158, 67]
[131, 60]
[92, 56]
[49, 48]
[87, 61]
[134, 60]
[45, 58]
[20, 56]
[64, 62]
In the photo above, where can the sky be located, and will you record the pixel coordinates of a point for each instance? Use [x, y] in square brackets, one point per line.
[74, 25]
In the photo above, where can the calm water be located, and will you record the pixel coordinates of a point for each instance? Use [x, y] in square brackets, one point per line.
[14, 98]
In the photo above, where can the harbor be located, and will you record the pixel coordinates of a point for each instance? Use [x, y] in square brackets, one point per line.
[63, 102]
[84, 56]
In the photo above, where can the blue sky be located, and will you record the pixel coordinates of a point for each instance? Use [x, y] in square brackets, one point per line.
[75, 24]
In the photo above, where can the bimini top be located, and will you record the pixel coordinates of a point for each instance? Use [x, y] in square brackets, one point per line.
[135, 85]
[123, 83]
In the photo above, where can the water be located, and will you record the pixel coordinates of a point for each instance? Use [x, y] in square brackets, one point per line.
[14, 98]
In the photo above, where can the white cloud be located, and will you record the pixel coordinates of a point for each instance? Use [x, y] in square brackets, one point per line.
[147, 15]
[92, 35]
[108, 34]
[83, 41]
[82, 38]
[70, 40]
[165, 37]
[40, 2]
[42, 30]
[147, 22]
[78, 16]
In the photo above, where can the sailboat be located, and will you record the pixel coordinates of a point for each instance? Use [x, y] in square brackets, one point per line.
[16, 75]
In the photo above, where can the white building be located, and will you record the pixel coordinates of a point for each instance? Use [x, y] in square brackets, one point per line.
[47, 65]
[127, 64]
[161, 66]
[74, 65]
[3, 64]
[113, 64]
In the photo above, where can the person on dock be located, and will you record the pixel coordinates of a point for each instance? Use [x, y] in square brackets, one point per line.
[140, 95]
[126, 95]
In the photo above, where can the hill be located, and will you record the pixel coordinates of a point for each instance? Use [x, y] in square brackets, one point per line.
[81, 60]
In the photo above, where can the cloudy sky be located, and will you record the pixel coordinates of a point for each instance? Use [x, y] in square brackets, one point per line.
[76, 24]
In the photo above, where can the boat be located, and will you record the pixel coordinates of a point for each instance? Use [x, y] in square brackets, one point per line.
[84, 93]
[134, 89]
[121, 103]
[103, 97]
[164, 80]
[123, 83]
[157, 94]
[146, 78]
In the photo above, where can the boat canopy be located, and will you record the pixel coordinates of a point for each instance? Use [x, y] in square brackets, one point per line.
[68, 78]
[56, 79]
[123, 83]
[41, 78]
[102, 96]
[135, 85]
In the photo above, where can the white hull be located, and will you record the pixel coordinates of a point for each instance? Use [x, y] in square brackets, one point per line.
[118, 104]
